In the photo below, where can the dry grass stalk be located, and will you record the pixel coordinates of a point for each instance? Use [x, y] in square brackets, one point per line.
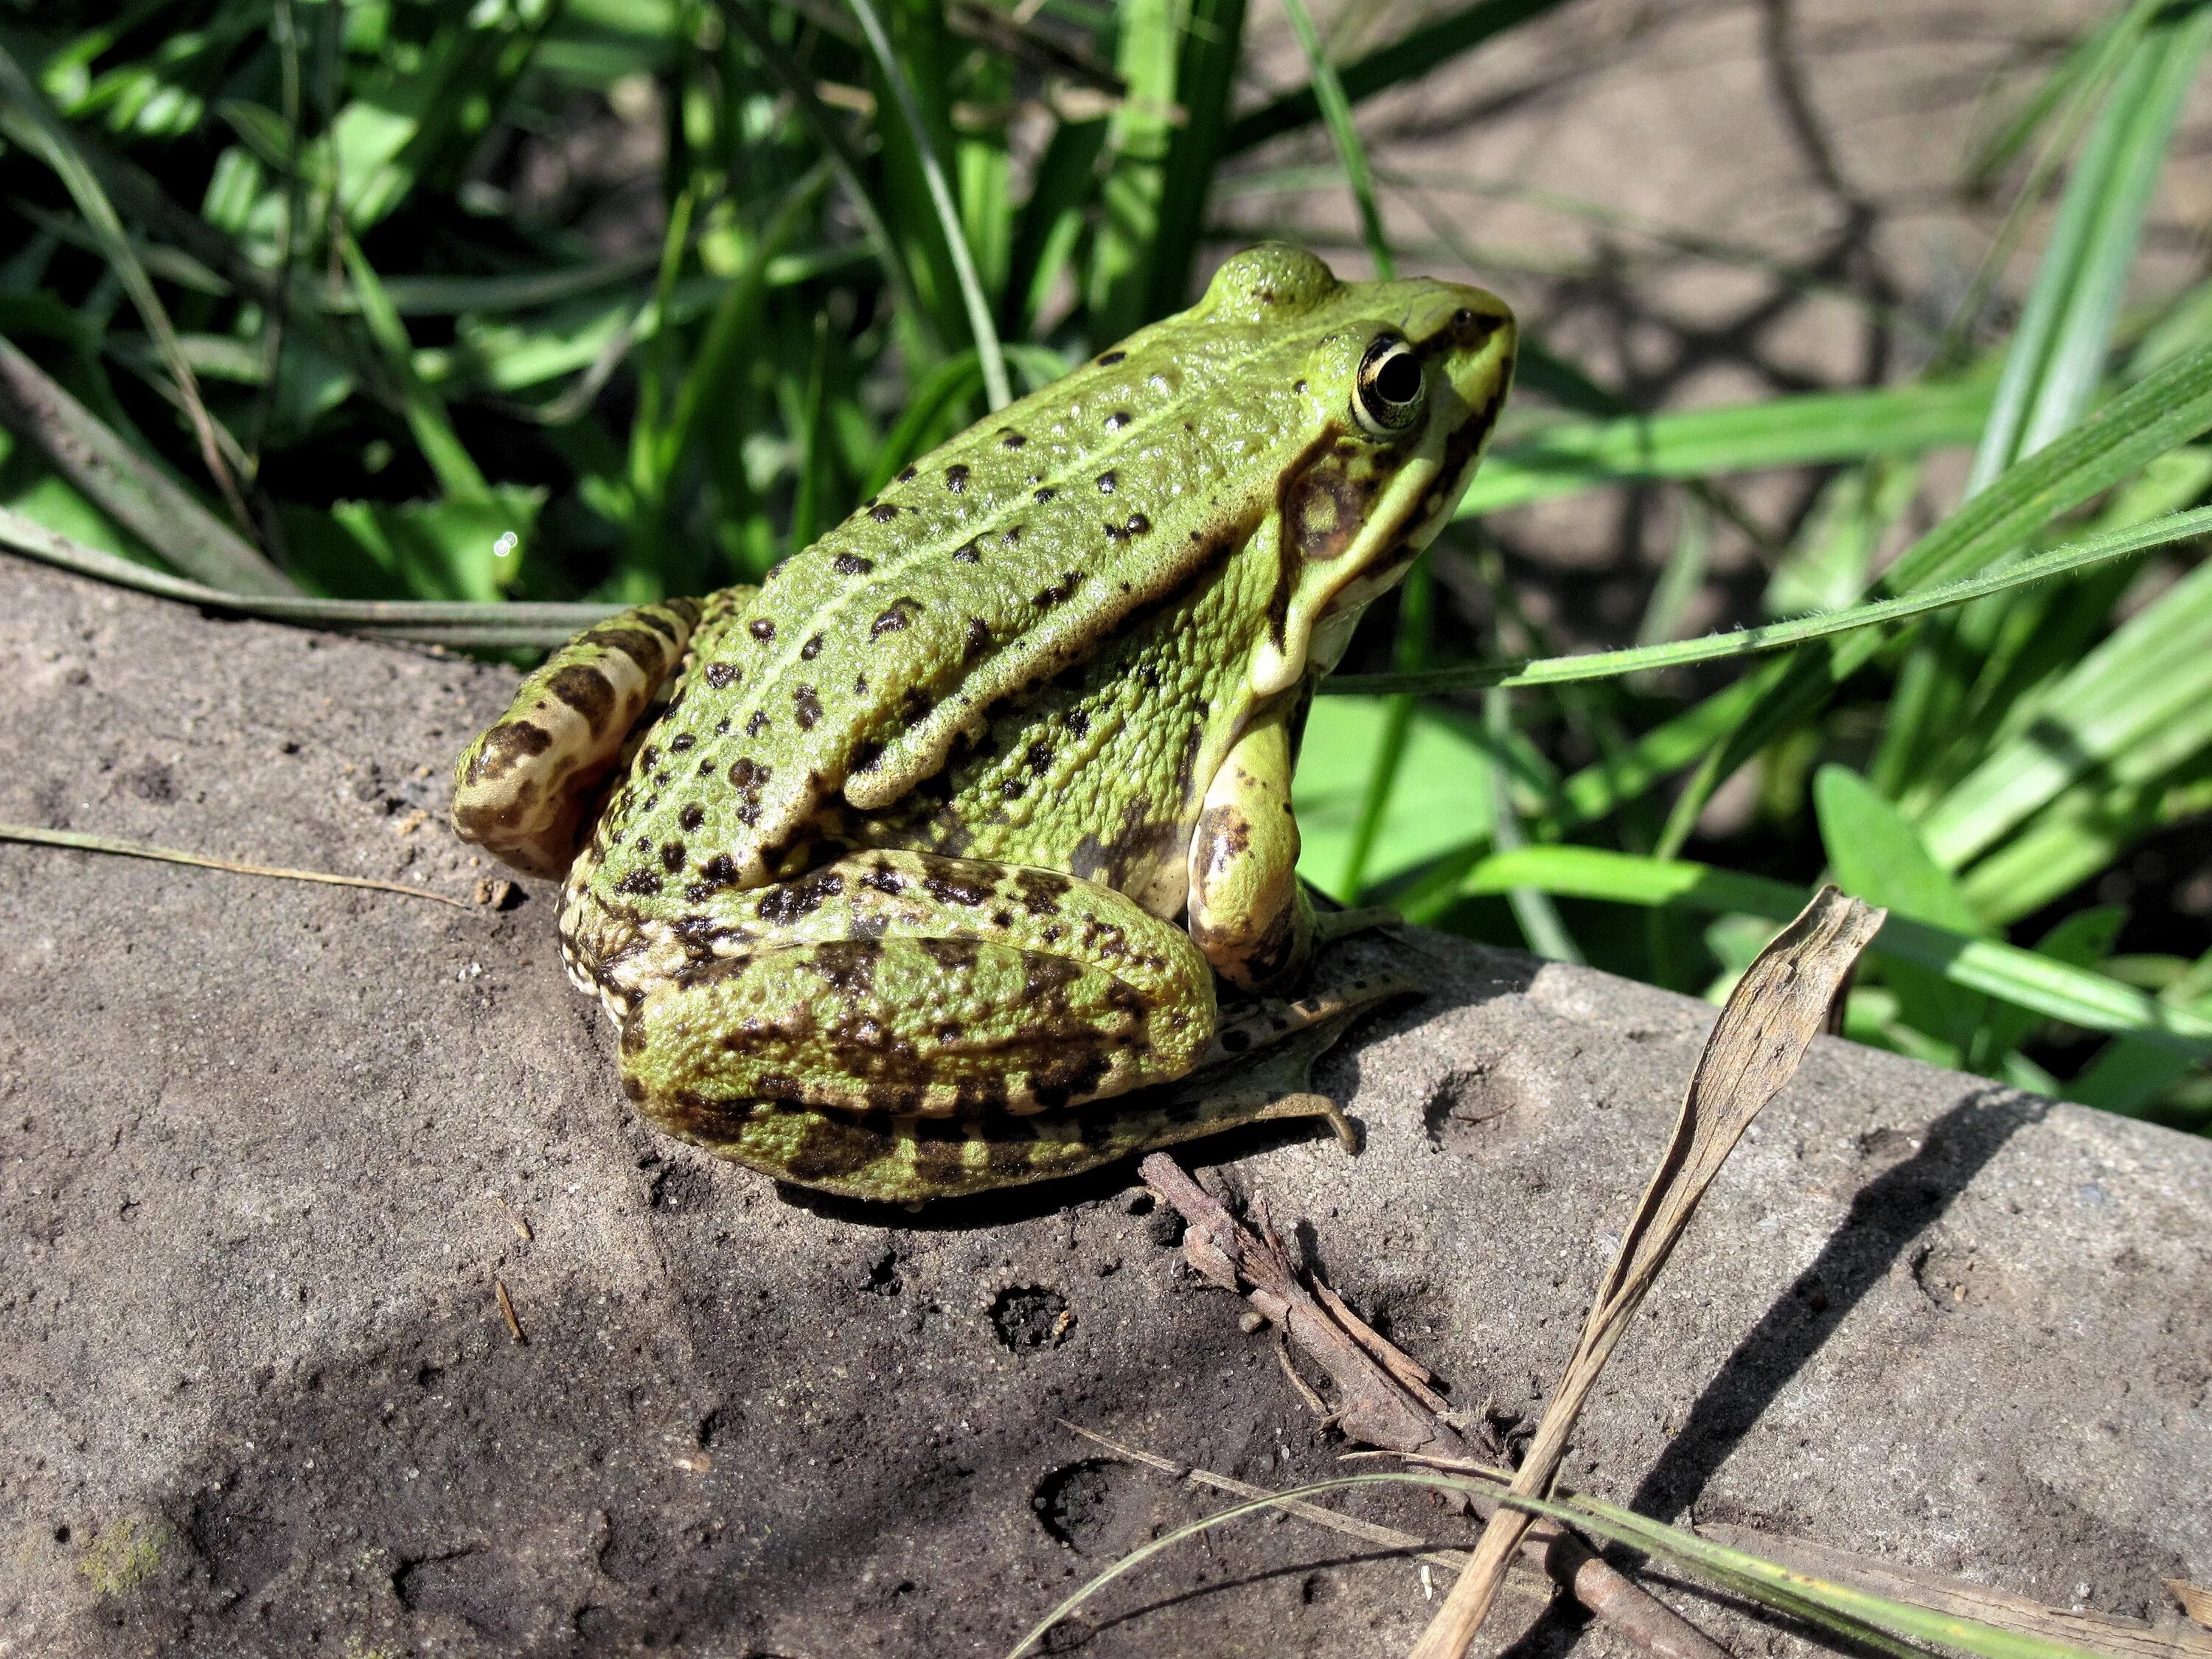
[1382, 1397]
[2196, 1601]
[1780, 1006]
[1319, 1514]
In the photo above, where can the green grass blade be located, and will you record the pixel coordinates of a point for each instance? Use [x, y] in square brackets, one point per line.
[1416, 609]
[28, 120]
[1206, 82]
[457, 472]
[1139, 140]
[2163, 412]
[2082, 939]
[2138, 704]
[1771, 637]
[510, 623]
[1351, 153]
[929, 406]
[2055, 990]
[818, 462]
[1051, 220]
[981, 330]
[1407, 58]
[123, 484]
[1811, 430]
[1738, 1569]
[2059, 347]
[1532, 907]
[823, 127]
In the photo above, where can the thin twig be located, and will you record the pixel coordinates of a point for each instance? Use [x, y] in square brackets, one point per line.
[1776, 1009]
[507, 1313]
[139, 849]
[1378, 1403]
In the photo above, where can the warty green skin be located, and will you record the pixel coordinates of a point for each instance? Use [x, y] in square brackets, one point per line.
[946, 830]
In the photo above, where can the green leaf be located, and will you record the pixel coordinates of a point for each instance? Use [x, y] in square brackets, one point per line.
[1877, 856]
[2052, 989]
[1441, 792]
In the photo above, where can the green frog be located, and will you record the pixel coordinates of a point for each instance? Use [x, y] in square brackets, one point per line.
[913, 872]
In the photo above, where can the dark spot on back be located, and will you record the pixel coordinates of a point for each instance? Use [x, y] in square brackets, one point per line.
[883, 512]
[760, 628]
[721, 674]
[1117, 420]
[899, 614]
[794, 899]
[1011, 439]
[907, 477]
[691, 818]
[1106, 483]
[807, 707]
[758, 724]
[810, 650]
[956, 479]
[852, 564]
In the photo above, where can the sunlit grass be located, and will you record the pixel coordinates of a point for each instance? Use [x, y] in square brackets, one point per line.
[338, 301]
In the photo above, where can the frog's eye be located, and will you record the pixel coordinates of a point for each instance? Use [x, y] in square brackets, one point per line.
[1387, 397]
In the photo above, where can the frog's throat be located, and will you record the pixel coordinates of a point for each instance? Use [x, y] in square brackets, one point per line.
[1399, 526]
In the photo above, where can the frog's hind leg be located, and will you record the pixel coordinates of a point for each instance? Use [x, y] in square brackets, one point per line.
[521, 790]
[1256, 1069]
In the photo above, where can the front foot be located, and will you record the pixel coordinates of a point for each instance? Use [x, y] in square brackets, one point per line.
[1257, 1070]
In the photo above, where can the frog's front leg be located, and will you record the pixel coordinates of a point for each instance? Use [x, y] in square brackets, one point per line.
[1249, 912]
[901, 984]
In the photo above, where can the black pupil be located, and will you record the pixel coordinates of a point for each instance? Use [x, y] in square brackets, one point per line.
[1397, 378]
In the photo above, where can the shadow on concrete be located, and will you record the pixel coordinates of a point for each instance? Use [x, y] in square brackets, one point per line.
[1887, 1214]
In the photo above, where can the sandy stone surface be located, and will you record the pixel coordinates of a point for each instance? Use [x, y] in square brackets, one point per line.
[268, 1147]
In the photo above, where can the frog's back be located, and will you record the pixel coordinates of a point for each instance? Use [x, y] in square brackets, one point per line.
[979, 573]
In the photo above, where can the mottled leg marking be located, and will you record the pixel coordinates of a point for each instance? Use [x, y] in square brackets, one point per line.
[521, 789]
[905, 984]
[1248, 911]
[908, 1159]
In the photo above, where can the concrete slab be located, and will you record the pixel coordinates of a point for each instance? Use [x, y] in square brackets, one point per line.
[259, 1398]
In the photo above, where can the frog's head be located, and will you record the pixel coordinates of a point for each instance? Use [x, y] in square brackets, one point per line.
[1398, 385]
